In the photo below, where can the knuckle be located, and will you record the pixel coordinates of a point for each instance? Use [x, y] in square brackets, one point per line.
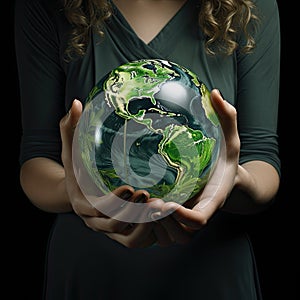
[202, 221]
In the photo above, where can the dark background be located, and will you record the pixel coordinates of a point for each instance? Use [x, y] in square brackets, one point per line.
[25, 228]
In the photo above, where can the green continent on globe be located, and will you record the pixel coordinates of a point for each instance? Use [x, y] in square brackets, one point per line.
[150, 124]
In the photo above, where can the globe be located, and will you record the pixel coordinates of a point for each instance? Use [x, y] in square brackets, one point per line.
[148, 124]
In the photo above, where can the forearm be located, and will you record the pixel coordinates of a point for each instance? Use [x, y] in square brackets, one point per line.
[256, 186]
[43, 182]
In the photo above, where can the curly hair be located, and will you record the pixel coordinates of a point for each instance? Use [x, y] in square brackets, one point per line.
[220, 20]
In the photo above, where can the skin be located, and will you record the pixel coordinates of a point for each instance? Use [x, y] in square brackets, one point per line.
[244, 189]
[148, 17]
[54, 188]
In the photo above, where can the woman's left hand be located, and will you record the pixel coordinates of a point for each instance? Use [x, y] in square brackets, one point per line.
[178, 222]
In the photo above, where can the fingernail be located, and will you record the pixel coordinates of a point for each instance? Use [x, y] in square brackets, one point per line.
[141, 198]
[220, 93]
[126, 195]
[76, 100]
[155, 216]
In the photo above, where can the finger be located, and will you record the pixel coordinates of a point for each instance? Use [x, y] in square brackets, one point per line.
[228, 119]
[192, 219]
[138, 209]
[153, 206]
[70, 120]
[161, 209]
[176, 231]
[87, 205]
[121, 216]
[224, 109]
[129, 213]
[67, 125]
[114, 201]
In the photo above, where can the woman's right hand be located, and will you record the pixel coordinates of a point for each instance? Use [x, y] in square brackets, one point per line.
[130, 235]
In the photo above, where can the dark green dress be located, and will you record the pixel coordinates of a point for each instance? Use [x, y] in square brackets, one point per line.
[219, 263]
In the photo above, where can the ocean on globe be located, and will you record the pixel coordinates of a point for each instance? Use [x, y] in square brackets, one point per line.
[149, 124]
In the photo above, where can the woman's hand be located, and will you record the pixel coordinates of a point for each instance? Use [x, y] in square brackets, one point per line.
[180, 221]
[126, 233]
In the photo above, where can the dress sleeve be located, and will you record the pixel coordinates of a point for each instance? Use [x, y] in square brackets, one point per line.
[41, 80]
[258, 90]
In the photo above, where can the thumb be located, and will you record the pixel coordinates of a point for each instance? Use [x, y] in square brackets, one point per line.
[67, 126]
[226, 112]
[70, 120]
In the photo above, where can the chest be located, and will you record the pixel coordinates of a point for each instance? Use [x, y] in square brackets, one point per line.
[178, 42]
[148, 18]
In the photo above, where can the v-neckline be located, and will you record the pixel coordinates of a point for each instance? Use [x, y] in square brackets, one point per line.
[123, 45]
[169, 24]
